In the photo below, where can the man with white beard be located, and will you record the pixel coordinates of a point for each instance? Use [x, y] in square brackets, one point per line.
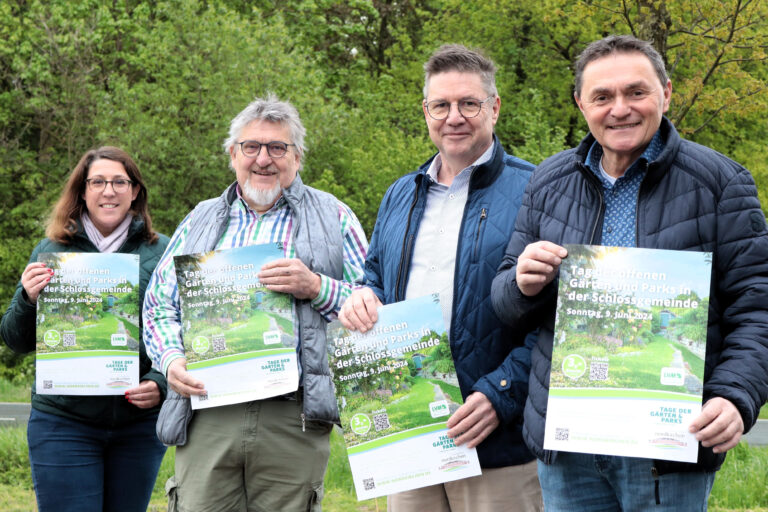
[267, 454]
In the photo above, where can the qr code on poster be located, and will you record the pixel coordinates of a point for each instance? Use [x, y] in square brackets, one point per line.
[369, 484]
[561, 434]
[47, 384]
[69, 339]
[598, 371]
[219, 344]
[381, 421]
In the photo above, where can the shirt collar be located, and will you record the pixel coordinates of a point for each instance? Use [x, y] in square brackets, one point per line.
[437, 162]
[651, 153]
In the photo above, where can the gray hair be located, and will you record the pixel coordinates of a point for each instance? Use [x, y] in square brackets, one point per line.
[617, 44]
[455, 57]
[273, 110]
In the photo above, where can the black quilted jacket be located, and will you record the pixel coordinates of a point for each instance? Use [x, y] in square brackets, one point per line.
[692, 198]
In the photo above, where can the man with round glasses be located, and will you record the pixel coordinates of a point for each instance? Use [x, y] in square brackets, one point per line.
[267, 454]
[443, 229]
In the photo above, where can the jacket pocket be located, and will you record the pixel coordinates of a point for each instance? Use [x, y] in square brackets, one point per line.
[315, 498]
[170, 493]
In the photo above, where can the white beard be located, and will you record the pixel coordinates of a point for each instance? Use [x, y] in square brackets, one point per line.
[260, 197]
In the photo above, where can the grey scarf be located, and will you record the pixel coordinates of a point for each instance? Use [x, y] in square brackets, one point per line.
[113, 241]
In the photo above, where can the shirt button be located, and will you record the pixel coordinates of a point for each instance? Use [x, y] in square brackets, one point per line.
[442, 230]
[451, 196]
[433, 268]
[503, 382]
[610, 229]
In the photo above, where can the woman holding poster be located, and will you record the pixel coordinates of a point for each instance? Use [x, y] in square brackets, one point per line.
[94, 452]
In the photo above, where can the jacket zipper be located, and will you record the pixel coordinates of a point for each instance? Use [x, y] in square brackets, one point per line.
[405, 251]
[637, 208]
[591, 178]
[597, 219]
[483, 216]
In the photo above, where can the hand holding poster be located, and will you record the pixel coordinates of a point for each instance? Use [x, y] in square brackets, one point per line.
[88, 325]
[396, 387]
[628, 355]
[238, 336]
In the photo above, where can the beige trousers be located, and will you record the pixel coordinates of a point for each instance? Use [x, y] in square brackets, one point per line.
[513, 489]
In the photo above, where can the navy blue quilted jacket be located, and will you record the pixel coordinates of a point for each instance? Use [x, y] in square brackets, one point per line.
[490, 357]
[692, 199]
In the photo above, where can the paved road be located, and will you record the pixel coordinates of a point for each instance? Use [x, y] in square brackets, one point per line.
[758, 436]
[12, 415]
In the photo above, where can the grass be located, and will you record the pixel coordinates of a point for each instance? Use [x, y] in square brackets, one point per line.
[95, 335]
[133, 330]
[240, 336]
[630, 367]
[406, 410]
[696, 363]
[10, 392]
[740, 486]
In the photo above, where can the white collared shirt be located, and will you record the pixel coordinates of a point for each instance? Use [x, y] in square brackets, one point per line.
[434, 252]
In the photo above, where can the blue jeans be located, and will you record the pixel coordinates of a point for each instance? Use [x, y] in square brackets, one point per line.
[603, 483]
[83, 468]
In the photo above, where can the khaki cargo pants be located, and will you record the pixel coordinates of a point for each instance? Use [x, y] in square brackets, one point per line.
[250, 457]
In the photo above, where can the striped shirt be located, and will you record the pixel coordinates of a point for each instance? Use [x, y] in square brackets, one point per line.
[162, 314]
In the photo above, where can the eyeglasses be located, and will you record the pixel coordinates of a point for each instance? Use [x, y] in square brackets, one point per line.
[99, 184]
[468, 108]
[275, 149]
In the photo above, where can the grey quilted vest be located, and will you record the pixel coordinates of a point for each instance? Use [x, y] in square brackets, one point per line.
[318, 243]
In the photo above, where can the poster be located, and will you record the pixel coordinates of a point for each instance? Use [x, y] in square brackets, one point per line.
[87, 332]
[239, 336]
[396, 387]
[628, 352]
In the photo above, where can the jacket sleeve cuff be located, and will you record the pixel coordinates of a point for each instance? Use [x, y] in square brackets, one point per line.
[157, 377]
[170, 356]
[506, 399]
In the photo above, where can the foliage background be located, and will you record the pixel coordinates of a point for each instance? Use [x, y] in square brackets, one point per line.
[163, 78]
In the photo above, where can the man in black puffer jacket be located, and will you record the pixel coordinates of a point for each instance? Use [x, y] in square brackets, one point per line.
[634, 182]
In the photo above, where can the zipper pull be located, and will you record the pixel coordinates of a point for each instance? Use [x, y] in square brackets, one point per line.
[483, 214]
[304, 425]
[655, 474]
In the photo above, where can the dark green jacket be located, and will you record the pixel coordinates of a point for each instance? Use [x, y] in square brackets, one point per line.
[18, 331]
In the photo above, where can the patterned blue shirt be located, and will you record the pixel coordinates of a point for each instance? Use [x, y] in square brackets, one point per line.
[621, 197]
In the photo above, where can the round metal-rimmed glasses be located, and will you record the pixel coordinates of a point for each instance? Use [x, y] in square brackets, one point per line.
[468, 108]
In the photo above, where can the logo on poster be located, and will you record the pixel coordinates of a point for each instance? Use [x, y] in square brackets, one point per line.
[271, 337]
[439, 408]
[119, 340]
[360, 424]
[453, 463]
[672, 376]
[200, 344]
[574, 366]
[52, 338]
